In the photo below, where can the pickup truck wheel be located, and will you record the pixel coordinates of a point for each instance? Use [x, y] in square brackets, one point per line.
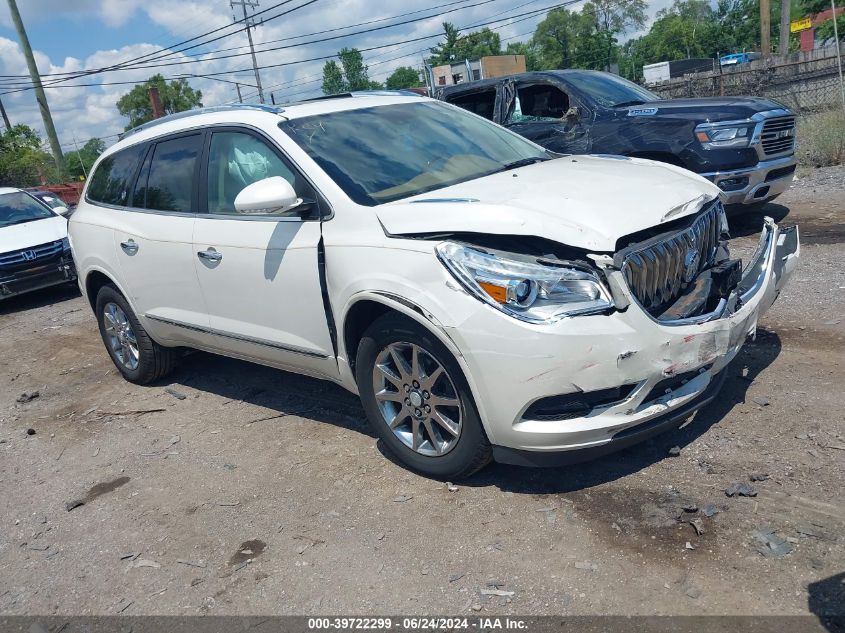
[418, 401]
[140, 359]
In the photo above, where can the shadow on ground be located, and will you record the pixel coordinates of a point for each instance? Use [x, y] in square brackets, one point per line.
[826, 600]
[283, 393]
[751, 222]
[39, 298]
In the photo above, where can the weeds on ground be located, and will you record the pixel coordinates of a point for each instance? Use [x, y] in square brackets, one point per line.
[821, 139]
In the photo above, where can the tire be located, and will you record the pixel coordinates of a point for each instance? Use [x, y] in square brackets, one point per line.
[439, 452]
[152, 361]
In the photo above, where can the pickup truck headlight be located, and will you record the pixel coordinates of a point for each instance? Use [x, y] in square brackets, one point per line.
[724, 137]
[529, 289]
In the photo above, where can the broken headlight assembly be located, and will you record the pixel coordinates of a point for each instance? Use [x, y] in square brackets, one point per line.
[528, 288]
[724, 136]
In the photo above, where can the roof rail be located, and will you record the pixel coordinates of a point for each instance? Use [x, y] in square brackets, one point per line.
[187, 113]
[360, 93]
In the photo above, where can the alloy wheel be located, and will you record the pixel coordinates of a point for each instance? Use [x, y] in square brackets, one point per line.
[120, 336]
[417, 399]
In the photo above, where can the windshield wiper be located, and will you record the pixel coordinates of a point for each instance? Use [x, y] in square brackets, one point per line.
[522, 162]
[632, 102]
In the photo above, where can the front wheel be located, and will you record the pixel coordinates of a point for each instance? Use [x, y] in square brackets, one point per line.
[418, 401]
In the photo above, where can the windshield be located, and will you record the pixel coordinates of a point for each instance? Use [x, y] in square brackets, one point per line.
[19, 207]
[386, 153]
[52, 201]
[611, 90]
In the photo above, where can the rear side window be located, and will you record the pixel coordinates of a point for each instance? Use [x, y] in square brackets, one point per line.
[480, 103]
[167, 181]
[112, 181]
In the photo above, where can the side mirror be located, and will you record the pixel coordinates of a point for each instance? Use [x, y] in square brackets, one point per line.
[61, 210]
[270, 196]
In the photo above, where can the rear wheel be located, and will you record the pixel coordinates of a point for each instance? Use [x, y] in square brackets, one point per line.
[140, 359]
[418, 401]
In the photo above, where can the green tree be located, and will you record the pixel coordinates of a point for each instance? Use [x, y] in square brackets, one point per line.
[175, 96]
[455, 48]
[403, 77]
[614, 18]
[86, 156]
[23, 159]
[351, 74]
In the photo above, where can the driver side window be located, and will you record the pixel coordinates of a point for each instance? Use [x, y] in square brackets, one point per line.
[539, 103]
[237, 159]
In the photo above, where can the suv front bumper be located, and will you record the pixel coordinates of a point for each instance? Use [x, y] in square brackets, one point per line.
[510, 370]
[753, 185]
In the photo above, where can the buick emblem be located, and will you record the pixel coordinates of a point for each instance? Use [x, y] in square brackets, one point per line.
[691, 261]
[29, 255]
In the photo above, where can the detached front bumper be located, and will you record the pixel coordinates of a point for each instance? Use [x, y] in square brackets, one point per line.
[661, 372]
[41, 275]
[753, 185]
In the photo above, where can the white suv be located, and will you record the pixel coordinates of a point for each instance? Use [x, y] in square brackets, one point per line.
[484, 297]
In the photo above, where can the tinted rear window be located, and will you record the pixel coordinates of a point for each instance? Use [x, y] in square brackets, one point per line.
[169, 185]
[112, 180]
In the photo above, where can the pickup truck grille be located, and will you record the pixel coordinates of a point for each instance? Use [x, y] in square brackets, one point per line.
[658, 272]
[30, 255]
[778, 135]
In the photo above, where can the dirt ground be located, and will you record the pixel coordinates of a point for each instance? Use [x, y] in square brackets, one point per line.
[237, 489]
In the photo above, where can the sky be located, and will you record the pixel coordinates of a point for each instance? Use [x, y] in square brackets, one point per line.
[73, 35]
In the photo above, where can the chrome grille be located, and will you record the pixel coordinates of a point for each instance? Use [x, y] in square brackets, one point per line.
[778, 135]
[658, 272]
[33, 254]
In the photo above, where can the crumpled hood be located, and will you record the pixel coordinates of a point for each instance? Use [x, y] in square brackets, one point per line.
[585, 202]
[33, 233]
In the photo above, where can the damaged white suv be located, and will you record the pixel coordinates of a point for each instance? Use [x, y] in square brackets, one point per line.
[485, 298]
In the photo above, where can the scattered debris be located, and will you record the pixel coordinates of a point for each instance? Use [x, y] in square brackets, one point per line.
[762, 401]
[690, 507]
[698, 525]
[770, 544]
[197, 581]
[759, 476]
[175, 394]
[738, 489]
[132, 412]
[402, 498]
[451, 487]
[709, 510]
[496, 592]
[175, 440]
[693, 592]
[30, 431]
[456, 577]
[495, 583]
[74, 503]
[37, 547]
[200, 564]
[675, 451]
[689, 545]
[143, 562]
[28, 396]
[586, 565]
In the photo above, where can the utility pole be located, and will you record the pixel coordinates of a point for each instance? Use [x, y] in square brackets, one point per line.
[765, 28]
[155, 102]
[838, 53]
[238, 88]
[79, 156]
[5, 116]
[784, 26]
[249, 24]
[58, 157]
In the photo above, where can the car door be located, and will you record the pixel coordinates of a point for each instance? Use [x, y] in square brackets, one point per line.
[544, 113]
[260, 274]
[154, 241]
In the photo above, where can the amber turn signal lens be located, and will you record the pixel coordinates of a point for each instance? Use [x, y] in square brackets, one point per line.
[702, 136]
[498, 293]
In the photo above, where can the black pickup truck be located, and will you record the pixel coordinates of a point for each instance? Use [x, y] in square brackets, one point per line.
[746, 145]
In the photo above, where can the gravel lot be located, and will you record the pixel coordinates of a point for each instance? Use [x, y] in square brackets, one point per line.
[237, 489]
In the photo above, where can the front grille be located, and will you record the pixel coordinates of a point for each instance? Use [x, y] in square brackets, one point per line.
[32, 255]
[659, 271]
[778, 135]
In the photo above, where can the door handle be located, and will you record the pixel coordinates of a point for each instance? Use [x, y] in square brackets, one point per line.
[129, 247]
[210, 255]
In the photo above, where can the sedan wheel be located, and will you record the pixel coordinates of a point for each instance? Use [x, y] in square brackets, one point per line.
[417, 399]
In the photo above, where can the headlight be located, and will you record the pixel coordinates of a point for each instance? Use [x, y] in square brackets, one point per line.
[538, 291]
[724, 137]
